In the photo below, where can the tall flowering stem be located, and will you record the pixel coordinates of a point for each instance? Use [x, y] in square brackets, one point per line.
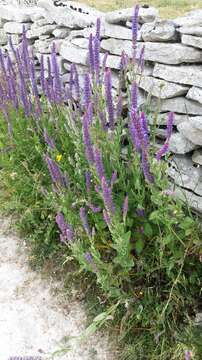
[135, 32]
[164, 149]
[107, 197]
[109, 98]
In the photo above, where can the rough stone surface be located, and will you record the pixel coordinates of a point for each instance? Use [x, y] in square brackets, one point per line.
[3, 37]
[179, 105]
[9, 13]
[185, 174]
[35, 32]
[178, 118]
[193, 18]
[191, 199]
[197, 157]
[61, 33]
[159, 31]
[190, 40]
[195, 94]
[192, 131]
[119, 16]
[183, 74]
[15, 27]
[191, 30]
[156, 52]
[73, 53]
[180, 145]
[160, 88]
[64, 15]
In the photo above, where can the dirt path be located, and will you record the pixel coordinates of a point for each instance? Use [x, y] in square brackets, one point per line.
[32, 323]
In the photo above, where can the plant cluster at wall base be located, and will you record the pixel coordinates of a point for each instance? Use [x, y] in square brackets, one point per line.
[81, 167]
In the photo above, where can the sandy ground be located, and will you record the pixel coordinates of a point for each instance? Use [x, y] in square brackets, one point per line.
[32, 321]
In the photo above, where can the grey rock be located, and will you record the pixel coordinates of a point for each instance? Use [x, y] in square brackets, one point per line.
[185, 174]
[35, 32]
[118, 32]
[191, 30]
[178, 118]
[64, 16]
[119, 16]
[159, 31]
[13, 27]
[192, 131]
[3, 37]
[197, 157]
[10, 13]
[195, 93]
[179, 105]
[191, 19]
[61, 32]
[180, 145]
[198, 319]
[80, 42]
[156, 52]
[190, 40]
[189, 198]
[160, 88]
[73, 53]
[183, 74]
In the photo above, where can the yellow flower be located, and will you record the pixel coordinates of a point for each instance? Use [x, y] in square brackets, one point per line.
[59, 157]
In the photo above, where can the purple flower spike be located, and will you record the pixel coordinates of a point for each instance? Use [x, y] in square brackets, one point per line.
[84, 221]
[87, 90]
[124, 61]
[91, 55]
[187, 355]
[106, 218]
[87, 139]
[135, 30]
[88, 181]
[170, 122]
[97, 58]
[88, 257]
[48, 140]
[98, 27]
[66, 229]
[163, 151]
[109, 98]
[99, 164]
[125, 207]
[140, 212]
[134, 96]
[107, 197]
[55, 172]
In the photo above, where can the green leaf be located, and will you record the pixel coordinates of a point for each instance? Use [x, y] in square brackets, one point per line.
[139, 245]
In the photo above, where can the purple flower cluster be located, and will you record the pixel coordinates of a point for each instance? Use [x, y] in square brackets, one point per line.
[66, 230]
[139, 133]
[135, 31]
[56, 174]
[109, 98]
[164, 149]
[94, 52]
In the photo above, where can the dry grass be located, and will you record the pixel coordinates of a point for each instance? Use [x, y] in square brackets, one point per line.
[167, 8]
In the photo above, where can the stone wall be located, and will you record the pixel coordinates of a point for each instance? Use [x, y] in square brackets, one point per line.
[173, 69]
